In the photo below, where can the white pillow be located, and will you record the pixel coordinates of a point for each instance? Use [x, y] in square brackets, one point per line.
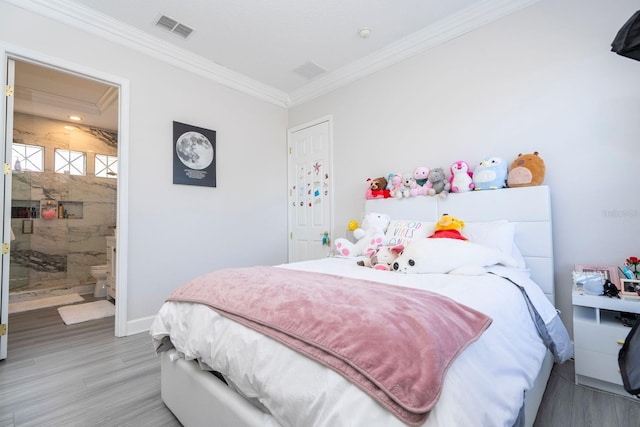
[495, 234]
[517, 256]
[402, 232]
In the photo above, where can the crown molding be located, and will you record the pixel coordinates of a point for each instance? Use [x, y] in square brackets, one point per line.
[442, 31]
[58, 101]
[79, 16]
[109, 98]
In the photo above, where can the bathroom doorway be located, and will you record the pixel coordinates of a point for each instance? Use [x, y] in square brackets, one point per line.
[64, 169]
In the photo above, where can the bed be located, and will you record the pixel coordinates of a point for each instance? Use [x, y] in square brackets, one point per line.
[216, 371]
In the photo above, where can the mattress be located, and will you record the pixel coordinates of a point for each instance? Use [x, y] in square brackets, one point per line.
[485, 385]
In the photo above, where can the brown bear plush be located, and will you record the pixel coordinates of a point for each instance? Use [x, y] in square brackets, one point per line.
[526, 170]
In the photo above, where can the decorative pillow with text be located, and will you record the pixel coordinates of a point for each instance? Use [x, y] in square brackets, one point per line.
[402, 232]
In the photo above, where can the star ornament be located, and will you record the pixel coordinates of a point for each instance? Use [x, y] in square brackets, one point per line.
[316, 167]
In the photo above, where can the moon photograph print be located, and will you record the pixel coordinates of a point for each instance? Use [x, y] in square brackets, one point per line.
[194, 150]
[194, 155]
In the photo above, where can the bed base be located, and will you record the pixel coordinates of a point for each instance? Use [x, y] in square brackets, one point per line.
[197, 398]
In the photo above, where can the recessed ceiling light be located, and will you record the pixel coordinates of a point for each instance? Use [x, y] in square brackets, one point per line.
[75, 118]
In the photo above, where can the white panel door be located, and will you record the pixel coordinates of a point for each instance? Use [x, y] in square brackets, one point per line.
[310, 191]
[6, 206]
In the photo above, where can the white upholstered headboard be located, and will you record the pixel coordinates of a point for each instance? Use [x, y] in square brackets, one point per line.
[528, 207]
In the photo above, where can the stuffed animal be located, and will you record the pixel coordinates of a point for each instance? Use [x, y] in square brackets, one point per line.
[370, 235]
[407, 182]
[461, 179]
[395, 186]
[438, 184]
[526, 170]
[451, 256]
[382, 258]
[420, 176]
[449, 227]
[377, 189]
[490, 174]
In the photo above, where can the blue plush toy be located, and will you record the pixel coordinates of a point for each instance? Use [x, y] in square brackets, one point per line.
[490, 174]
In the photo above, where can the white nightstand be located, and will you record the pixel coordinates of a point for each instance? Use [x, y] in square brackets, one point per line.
[598, 335]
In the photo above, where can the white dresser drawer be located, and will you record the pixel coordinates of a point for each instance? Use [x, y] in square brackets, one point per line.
[597, 365]
[606, 339]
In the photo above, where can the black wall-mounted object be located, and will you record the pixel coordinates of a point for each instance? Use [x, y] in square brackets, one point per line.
[627, 41]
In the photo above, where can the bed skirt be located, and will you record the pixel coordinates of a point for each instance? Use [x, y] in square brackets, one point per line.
[197, 397]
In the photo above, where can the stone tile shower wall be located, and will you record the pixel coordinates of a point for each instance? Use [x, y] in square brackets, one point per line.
[60, 252]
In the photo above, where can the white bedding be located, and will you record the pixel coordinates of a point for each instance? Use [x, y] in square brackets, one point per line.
[484, 386]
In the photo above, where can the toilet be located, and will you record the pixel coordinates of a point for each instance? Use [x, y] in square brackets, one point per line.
[99, 272]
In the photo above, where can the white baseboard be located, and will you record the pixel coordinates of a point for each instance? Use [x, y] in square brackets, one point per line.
[139, 325]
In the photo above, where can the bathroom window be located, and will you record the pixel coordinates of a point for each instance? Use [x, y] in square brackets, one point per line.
[27, 157]
[106, 166]
[70, 162]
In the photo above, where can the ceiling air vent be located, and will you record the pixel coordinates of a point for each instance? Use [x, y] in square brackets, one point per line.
[174, 26]
[309, 70]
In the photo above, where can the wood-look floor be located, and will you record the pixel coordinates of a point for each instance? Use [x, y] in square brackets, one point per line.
[566, 404]
[81, 375]
[78, 375]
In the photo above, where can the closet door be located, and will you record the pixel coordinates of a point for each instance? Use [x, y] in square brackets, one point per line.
[310, 191]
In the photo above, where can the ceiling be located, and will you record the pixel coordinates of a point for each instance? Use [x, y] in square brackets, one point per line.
[268, 40]
[46, 92]
[285, 51]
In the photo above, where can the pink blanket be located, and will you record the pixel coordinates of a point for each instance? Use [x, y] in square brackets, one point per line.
[395, 343]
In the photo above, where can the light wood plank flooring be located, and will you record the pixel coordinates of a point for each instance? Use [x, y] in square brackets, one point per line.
[566, 404]
[81, 375]
[78, 375]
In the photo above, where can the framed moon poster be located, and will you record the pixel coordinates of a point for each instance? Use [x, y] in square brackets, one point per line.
[194, 155]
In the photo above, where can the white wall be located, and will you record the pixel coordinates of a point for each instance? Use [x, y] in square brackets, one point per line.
[177, 231]
[542, 79]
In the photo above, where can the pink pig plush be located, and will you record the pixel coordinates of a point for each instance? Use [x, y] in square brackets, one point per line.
[419, 188]
[382, 258]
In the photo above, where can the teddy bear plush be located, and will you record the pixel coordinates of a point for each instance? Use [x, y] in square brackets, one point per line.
[490, 174]
[451, 256]
[526, 170]
[449, 227]
[420, 177]
[377, 188]
[438, 184]
[461, 179]
[407, 182]
[382, 258]
[370, 235]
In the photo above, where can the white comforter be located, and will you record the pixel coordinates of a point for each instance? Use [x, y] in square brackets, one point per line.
[484, 386]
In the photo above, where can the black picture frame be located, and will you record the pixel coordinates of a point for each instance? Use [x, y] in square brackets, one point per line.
[194, 155]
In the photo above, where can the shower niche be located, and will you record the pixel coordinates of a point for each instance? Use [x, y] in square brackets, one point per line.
[25, 209]
[61, 209]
